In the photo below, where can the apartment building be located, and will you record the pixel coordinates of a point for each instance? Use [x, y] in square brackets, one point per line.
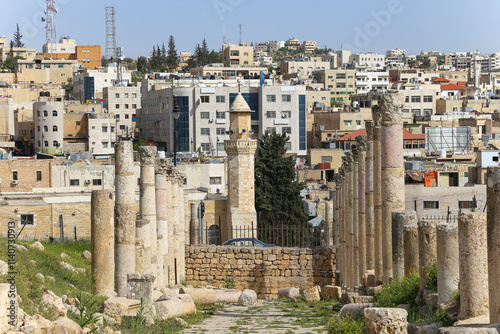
[367, 80]
[276, 45]
[261, 46]
[89, 56]
[420, 100]
[65, 45]
[203, 123]
[304, 67]
[292, 44]
[89, 84]
[49, 125]
[340, 82]
[369, 59]
[45, 71]
[230, 72]
[308, 46]
[123, 102]
[343, 58]
[237, 55]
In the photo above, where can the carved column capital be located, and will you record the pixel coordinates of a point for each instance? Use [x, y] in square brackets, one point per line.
[147, 154]
[391, 106]
[361, 140]
[369, 130]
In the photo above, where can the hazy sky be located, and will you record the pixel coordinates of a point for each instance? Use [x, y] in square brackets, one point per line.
[360, 25]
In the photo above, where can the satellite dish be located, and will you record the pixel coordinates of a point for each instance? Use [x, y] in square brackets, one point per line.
[243, 131]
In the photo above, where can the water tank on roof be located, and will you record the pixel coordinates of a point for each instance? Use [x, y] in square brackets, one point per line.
[442, 154]
[355, 104]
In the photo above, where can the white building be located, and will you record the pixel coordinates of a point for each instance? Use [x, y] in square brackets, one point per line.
[65, 45]
[49, 125]
[367, 80]
[123, 101]
[369, 59]
[89, 84]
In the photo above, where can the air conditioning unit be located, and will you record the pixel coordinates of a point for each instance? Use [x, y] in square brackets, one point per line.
[88, 181]
[211, 120]
[15, 181]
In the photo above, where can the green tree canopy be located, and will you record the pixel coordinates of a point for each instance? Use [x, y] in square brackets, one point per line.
[277, 193]
[17, 42]
[172, 59]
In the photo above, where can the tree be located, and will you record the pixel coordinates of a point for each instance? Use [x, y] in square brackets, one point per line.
[214, 57]
[277, 193]
[17, 38]
[172, 59]
[8, 64]
[142, 64]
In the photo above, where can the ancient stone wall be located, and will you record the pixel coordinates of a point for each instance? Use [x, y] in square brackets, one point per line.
[264, 270]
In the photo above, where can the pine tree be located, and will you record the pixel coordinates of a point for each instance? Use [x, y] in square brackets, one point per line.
[214, 57]
[172, 60]
[163, 57]
[277, 193]
[204, 53]
[17, 38]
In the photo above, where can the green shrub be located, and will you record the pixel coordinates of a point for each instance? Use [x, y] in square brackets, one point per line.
[432, 280]
[346, 325]
[400, 291]
[229, 280]
[456, 297]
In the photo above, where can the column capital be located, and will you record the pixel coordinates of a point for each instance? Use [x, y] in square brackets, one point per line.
[389, 108]
[147, 154]
[361, 139]
[161, 166]
[355, 152]
[348, 160]
[369, 130]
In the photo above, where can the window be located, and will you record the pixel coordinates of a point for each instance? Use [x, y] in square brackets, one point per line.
[93, 127]
[271, 114]
[117, 106]
[347, 123]
[55, 143]
[286, 98]
[431, 204]
[205, 147]
[220, 147]
[63, 74]
[340, 85]
[220, 99]
[495, 159]
[427, 98]
[126, 106]
[27, 220]
[216, 180]
[220, 115]
[38, 113]
[74, 182]
[286, 114]
[127, 116]
[286, 130]
[104, 144]
[54, 128]
[45, 128]
[427, 112]
[205, 131]
[415, 99]
[134, 106]
[38, 128]
[46, 143]
[77, 122]
[14, 175]
[326, 158]
[271, 98]
[465, 204]
[54, 113]
[358, 122]
[416, 112]
[122, 127]
[104, 129]
[205, 99]
[214, 235]
[288, 146]
[271, 130]
[126, 95]
[39, 175]
[221, 131]
[205, 115]
[134, 95]
[96, 182]
[340, 76]
[407, 99]
[45, 113]
[112, 129]
[117, 95]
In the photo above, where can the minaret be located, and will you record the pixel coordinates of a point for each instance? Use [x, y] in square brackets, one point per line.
[240, 151]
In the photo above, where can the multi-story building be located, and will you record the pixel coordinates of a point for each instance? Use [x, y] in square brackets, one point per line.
[89, 84]
[184, 56]
[340, 82]
[49, 125]
[369, 59]
[395, 58]
[203, 124]
[276, 45]
[123, 102]
[26, 53]
[45, 71]
[304, 67]
[308, 46]
[420, 100]
[65, 45]
[367, 80]
[292, 44]
[227, 72]
[261, 46]
[89, 56]
[343, 58]
[237, 55]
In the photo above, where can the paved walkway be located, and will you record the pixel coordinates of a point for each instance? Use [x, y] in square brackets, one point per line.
[265, 319]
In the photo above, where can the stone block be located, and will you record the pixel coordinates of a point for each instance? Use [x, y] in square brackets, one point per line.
[471, 329]
[386, 320]
[140, 286]
[311, 294]
[188, 307]
[429, 327]
[117, 307]
[167, 309]
[354, 310]
[248, 297]
[66, 326]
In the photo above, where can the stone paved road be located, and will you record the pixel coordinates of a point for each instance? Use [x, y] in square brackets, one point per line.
[266, 319]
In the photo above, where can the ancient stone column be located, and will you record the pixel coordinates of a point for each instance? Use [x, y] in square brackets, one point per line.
[390, 106]
[377, 196]
[142, 234]
[427, 249]
[369, 209]
[195, 224]
[147, 207]
[339, 226]
[400, 219]
[473, 264]
[343, 223]
[349, 251]
[162, 202]
[355, 220]
[182, 226]
[103, 241]
[411, 249]
[328, 223]
[447, 261]
[493, 192]
[361, 141]
[125, 211]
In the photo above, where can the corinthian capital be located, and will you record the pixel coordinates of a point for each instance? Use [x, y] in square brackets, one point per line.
[147, 154]
[361, 140]
[390, 106]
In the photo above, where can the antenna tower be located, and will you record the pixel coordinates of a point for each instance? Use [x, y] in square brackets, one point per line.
[50, 27]
[240, 34]
[110, 32]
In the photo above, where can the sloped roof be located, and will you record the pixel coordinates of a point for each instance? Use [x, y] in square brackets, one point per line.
[407, 135]
[440, 79]
[451, 86]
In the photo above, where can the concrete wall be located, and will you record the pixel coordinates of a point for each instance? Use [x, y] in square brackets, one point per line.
[264, 270]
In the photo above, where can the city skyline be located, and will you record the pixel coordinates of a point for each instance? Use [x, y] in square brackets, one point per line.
[361, 26]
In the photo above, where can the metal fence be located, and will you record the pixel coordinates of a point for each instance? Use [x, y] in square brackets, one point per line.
[282, 236]
[452, 219]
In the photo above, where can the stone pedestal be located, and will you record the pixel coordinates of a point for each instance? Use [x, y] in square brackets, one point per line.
[427, 249]
[125, 214]
[103, 242]
[162, 202]
[447, 261]
[142, 229]
[411, 249]
[473, 257]
[369, 209]
[147, 207]
[399, 220]
[377, 197]
[140, 286]
[361, 142]
[493, 177]
[390, 108]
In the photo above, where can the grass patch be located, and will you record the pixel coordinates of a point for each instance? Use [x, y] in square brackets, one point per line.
[32, 261]
[400, 291]
[346, 325]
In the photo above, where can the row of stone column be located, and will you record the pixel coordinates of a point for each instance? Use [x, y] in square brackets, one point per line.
[151, 241]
